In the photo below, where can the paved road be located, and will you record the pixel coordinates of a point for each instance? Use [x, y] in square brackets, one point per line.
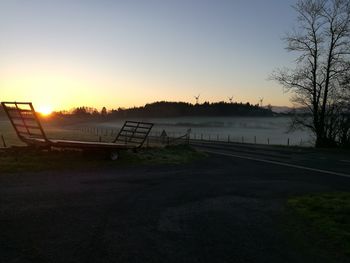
[221, 209]
[334, 161]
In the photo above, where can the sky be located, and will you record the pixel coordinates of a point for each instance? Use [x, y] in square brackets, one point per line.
[68, 53]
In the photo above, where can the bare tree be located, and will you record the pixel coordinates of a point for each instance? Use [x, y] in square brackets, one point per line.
[322, 41]
[344, 124]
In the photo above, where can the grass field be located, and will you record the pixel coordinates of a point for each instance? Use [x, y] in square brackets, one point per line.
[52, 131]
[24, 160]
[321, 223]
[28, 160]
[8, 133]
[249, 130]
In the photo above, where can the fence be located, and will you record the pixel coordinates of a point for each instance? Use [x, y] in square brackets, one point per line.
[105, 134]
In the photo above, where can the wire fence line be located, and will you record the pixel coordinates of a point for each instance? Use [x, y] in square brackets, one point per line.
[164, 135]
[159, 136]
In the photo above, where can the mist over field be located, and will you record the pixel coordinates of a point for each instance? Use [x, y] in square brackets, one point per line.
[262, 130]
[248, 129]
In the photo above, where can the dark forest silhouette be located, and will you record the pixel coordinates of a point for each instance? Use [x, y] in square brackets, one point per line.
[164, 109]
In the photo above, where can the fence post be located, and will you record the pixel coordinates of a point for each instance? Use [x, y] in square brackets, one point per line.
[3, 141]
[288, 142]
[99, 139]
[268, 140]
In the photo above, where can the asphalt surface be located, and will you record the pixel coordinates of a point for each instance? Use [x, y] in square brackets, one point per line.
[220, 209]
[333, 160]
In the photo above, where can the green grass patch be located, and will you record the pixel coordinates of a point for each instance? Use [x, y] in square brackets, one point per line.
[24, 159]
[322, 223]
[29, 160]
[167, 155]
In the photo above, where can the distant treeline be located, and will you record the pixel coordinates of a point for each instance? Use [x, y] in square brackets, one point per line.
[165, 109]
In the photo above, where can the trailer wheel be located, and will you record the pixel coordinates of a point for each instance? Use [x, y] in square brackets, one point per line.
[113, 155]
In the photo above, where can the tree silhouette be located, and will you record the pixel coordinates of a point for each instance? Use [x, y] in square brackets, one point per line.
[104, 111]
[322, 40]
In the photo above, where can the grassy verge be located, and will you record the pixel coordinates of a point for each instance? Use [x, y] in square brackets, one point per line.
[320, 224]
[167, 155]
[28, 160]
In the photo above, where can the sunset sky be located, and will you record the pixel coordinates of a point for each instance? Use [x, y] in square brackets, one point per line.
[69, 53]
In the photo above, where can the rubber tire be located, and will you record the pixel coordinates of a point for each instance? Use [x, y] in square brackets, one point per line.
[113, 155]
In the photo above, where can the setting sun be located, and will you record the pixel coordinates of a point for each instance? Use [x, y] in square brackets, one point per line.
[45, 110]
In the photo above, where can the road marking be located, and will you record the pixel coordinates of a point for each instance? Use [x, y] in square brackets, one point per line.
[280, 163]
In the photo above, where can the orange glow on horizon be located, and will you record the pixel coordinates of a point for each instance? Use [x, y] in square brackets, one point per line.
[66, 86]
